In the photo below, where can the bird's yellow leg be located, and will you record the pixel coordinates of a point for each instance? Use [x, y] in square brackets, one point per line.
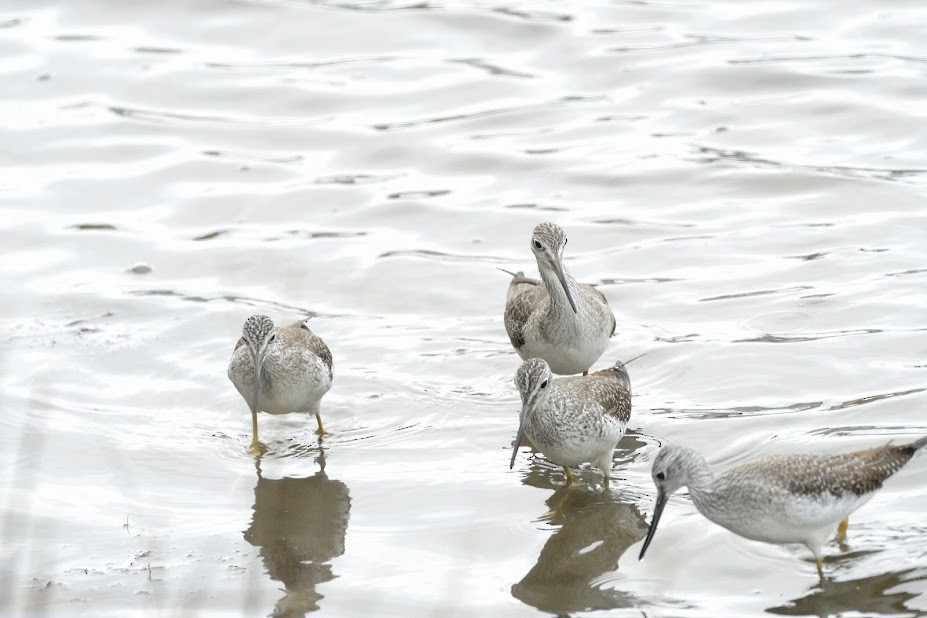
[820, 564]
[321, 430]
[842, 530]
[257, 449]
[569, 475]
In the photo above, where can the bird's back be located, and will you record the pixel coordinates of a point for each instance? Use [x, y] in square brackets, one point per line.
[608, 388]
[858, 472]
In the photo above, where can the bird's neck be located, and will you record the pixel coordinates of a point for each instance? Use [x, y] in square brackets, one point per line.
[701, 481]
[559, 304]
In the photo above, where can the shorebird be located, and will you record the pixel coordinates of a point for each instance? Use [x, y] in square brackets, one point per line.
[573, 420]
[791, 498]
[294, 365]
[565, 322]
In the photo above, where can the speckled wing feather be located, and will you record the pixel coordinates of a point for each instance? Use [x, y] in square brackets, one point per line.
[524, 296]
[319, 348]
[615, 393]
[611, 314]
[858, 473]
[610, 388]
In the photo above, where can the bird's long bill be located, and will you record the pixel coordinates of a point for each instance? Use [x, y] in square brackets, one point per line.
[258, 361]
[657, 511]
[566, 287]
[518, 437]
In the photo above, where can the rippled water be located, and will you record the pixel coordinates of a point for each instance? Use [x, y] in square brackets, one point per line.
[745, 181]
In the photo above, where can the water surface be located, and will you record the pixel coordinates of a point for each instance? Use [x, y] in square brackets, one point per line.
[744, 181]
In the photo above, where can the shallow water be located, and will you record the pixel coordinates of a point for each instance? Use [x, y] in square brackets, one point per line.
[744, 181]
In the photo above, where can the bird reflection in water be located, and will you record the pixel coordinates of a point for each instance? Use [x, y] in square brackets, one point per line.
[870, 596]
[299, 525]
[595, 530]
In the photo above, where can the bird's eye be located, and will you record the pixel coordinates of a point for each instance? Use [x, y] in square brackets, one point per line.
[272, 337]
[538, 245]
[661, 476]
[544, 384]
[565, 240]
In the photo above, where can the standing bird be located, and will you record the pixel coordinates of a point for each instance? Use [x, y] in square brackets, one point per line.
[573, 420]
[280, 370]
[564, 322]
[783, 498]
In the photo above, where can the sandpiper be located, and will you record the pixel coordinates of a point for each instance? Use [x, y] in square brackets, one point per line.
[792, 498]
[564, 322]
[573, 420]
[294, 365]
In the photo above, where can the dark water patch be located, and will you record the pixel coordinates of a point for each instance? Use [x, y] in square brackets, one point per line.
[511, 134]
[139, 269]
[809, 257]
[298, 65]
[533, 15]
[211, 235]
[252, 157]
[441, 256]
[628, 30]
[722, 413]
[158, 50]
[534, 206]
[699, 40]
[492, 69]
[92, 227]
[174, 118]
[860, 401]
[373, 5]
[77, 37]
[624, 280]
[713, 155]
[642, 223]
[316, 235]
[820, 57]
[689, 338]
[888, 432]
[768, 338]
[256, 303]
[418, 195]
[499, 111]
[755, 293]
[355, 179]
[906, 273]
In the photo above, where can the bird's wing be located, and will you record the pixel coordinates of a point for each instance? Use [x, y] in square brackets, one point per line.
[518, 309]
[318, 347]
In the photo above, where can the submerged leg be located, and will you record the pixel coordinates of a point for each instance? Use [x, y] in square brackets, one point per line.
[842, 530]
[257, 449]
[321, 430]
[569, 475]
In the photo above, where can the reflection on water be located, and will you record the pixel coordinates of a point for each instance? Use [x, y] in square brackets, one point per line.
[595, 530]
[866, 596]
[299, 525]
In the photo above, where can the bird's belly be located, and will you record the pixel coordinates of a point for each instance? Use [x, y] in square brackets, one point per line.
[571, 449]
[566, 356]
[802, 519]
[299, 392]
